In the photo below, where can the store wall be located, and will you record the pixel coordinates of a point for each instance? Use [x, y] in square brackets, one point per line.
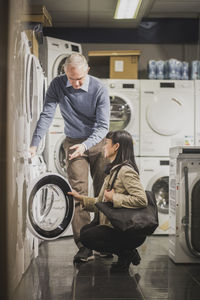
[3, 147]
[17, 242]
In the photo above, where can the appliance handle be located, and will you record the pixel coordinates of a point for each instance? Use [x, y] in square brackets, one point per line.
[185, 220]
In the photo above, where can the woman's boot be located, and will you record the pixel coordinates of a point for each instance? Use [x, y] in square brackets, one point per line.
[125, 258]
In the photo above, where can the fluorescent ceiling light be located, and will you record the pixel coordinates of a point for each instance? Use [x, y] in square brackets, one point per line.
[127, 9]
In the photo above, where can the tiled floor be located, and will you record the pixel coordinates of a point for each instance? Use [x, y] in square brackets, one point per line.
[52, 276]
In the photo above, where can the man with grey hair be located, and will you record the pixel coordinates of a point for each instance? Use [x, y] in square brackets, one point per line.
[85, 107]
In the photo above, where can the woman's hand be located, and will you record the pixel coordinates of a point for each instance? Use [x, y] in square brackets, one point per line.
[76, 195]
[108, 195]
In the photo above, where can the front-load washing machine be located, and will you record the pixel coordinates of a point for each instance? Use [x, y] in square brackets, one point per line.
[54, 152]
[36, 86]
[184, 204]
[166, 116]
[53, 53]
[154, 176]
[124, 107]
[197, 112]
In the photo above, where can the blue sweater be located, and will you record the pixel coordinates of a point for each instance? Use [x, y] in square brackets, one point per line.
[86, 111]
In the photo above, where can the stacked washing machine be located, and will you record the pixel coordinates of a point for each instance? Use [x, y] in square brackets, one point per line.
[53, 54]
[166, 120]
[184, 204]
[124, 107]
[29, 105]
[44, 211]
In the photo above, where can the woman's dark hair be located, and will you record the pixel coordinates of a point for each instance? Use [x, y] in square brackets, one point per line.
[125, 152]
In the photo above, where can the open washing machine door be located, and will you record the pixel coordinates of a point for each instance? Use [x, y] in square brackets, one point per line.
[50, 209]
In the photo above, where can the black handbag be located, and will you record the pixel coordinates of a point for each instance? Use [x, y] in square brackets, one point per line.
[141, 220]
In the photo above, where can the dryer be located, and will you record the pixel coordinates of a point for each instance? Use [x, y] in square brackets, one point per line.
[154, 176]
[166, 116]
[184, 204]
[197, 112]
[124, 109]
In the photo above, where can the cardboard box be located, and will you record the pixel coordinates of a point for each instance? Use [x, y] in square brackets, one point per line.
[123, 64]
[124, 67]
[37, 14]
[33, 42]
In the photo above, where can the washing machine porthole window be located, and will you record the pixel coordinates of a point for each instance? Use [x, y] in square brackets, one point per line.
[161, 190]
[58, 65]
[61, 67]
[50, 209]
[120, 113]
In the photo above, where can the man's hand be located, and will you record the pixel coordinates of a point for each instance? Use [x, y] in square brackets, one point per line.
[76, 195]
[79, 150]
[33, 150]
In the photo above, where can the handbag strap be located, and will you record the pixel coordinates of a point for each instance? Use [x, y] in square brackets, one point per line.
[116, 173]
[115, 177]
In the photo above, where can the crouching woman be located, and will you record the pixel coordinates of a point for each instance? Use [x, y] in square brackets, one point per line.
[127, 192]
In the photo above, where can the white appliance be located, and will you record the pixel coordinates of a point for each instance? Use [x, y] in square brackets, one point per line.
[54, 152]
[166, 116]
[53, 53]
[154, 176]
[124, 100]
[28, 109]
[197, 112]
[184, 204]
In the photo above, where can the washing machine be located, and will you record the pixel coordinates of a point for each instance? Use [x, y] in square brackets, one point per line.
[197, 112]
[124, 106]
[54, 152]
[53, 53]
[166, 116]
[154, 176]
[21, 140]
[184, 204]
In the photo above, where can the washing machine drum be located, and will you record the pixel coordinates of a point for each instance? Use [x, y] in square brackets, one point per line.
[50, 208]
[161, 190]
[120, 113]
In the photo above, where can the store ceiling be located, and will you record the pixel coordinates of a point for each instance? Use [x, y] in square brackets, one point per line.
[99, 13]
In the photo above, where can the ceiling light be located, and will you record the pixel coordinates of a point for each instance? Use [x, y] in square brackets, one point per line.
[127, 9]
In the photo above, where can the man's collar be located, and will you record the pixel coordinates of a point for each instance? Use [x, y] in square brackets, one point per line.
[85, 85]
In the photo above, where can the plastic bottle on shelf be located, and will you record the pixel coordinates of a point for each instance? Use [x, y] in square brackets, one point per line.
[152, 69]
